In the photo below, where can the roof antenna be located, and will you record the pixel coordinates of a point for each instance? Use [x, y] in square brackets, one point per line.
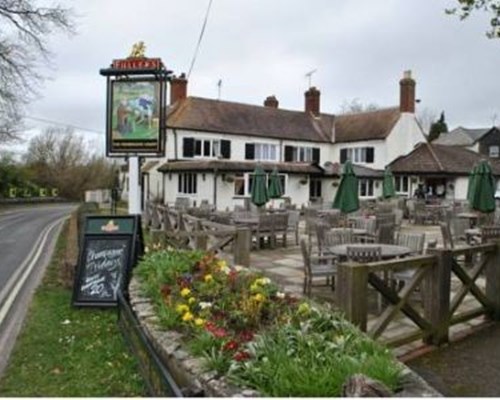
[219, 88]
[309, 75]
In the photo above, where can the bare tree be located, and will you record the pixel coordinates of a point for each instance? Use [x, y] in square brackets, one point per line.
[354, 106]
[467, 7]
[426, 118]
[24, 28]
[59, 158]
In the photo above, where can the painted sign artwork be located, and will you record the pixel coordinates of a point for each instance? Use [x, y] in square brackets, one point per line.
[134, 116]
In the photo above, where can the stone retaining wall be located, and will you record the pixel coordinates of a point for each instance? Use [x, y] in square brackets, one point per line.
[194, 380]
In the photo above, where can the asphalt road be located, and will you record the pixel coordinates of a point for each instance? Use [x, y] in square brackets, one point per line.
[27, 239]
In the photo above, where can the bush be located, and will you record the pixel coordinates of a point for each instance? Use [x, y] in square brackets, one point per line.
[257, 336]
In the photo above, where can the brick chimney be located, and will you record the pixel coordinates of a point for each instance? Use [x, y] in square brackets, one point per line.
[312, 101]
[407, 93]
[178, 88]
[271, 101]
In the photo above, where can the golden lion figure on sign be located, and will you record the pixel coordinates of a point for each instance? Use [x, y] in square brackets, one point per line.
[138, 50]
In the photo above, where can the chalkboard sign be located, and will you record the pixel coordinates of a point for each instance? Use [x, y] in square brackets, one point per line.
[109, 249]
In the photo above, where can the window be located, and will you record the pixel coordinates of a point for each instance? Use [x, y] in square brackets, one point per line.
[494, 151]
[401, 184]
[365, 188]
[315, 188]
[239, 185]
[357, 155]
[188, 183]
[207, 148]
[302, 154]
[265, 152]
[242, 182]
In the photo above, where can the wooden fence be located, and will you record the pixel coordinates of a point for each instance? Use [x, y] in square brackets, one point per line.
[181, 230]
[441, 279]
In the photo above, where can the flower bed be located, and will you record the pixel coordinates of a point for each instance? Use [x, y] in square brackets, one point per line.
[255, 336]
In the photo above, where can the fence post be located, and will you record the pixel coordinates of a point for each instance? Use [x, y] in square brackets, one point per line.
[437, 287]
[352, 292]
[242, 245]
[201, 238]
[493, 281]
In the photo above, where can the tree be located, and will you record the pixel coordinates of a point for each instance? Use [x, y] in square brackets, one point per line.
[24, 28]
[59, 158]
[466, 7]
[437, 128]
[426, 118]
[354, 106]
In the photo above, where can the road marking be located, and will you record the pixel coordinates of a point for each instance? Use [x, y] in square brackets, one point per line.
[12, 294]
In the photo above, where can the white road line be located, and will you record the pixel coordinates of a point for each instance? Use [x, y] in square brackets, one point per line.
[27, 270]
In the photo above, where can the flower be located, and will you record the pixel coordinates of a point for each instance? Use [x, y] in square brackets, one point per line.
[232, 345]
[205, 304]
[208, 278]
[199, 321]
[191, 300]
[241, 356]
[185, 292]
[280, 295]
[239, 268]
[187, 317]
[259, 298]
[181, 308]
[246, 336]
[303, 308]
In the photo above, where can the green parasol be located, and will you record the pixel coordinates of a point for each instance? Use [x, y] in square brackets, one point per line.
[275, 189]
[259, 195]
[388, 189]
[346, 198]
[470, 186]
[483, 189]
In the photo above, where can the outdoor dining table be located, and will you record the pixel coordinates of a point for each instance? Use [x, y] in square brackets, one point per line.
[472, 217]
[388, 251]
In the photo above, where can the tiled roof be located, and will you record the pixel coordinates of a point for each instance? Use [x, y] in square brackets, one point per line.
[433, 158]
[210, 115]
[365, 125]
[461, 136]
[238, 166]
[335, 169]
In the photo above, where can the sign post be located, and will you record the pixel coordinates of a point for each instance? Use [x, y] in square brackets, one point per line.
[135, 119]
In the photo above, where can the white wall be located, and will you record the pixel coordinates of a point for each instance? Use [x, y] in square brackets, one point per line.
[380, 152]
[403, 137]
[461, 183]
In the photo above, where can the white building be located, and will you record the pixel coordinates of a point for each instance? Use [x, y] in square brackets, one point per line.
[213, 146]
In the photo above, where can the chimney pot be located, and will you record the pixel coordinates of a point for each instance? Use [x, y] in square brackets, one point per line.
[312, 100]
[178, 88]
[271, 101]
[407, 93]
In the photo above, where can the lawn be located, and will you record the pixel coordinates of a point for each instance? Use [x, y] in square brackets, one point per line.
[68, 352]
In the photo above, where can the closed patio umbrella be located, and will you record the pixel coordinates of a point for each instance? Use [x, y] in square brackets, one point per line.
[388, 189]
[483, 196]
[470, 186]
[259, 195]
[346, 198]
[275, 189]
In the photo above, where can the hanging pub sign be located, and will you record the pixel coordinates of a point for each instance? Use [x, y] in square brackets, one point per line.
[136, 92]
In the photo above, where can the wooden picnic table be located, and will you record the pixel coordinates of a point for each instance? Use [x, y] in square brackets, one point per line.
[472, 217]
[388, 251]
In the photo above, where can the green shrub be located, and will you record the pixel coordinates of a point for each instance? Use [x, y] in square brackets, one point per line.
[257, 336]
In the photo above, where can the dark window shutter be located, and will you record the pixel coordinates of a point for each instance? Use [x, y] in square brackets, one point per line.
[289, 154]
[249, 151]
[225, 148]
[316, 155]
[370, 154]
[206, 148]
[187, 147]
[343, 156]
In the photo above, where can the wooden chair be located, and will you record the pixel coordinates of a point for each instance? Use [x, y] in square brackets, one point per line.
[385, 234]
[370, 225]
[293, 224]
[317, 266]
[490, 232]
[414, 241]
[264, 229]
[280, 227]
[344, 236]
[363, 254]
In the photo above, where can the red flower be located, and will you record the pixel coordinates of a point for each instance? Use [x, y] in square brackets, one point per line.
[232, 345]
[215, 330]
[165, 291]
[241, 356]
[246, 336]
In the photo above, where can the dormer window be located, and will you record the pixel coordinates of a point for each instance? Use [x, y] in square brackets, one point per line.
[494, 151]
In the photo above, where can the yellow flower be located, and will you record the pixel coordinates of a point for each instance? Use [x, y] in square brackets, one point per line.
[259, 297]
[304, 308]
[208, 278]
[185, 292]
[181, 308]
[187, 317]
[254, 287]
[199, 321]
[191, 300]
[222, 264]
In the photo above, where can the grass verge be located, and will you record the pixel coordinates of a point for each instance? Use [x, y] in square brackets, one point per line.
[68, 352]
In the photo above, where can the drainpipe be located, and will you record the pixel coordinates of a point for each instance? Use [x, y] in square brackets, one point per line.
[175, 143]
[215, 188]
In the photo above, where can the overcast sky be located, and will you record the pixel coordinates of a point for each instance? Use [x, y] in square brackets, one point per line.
[359, 48]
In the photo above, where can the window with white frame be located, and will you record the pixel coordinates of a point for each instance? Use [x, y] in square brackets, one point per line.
[188, 183]
[243, 183]
[206, 148]
[494, 151]
[239, 185]
[366, 188]
[265, 152]
[357, 155]
[401, 184]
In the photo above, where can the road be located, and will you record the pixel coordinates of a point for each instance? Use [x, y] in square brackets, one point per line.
[27, 239]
